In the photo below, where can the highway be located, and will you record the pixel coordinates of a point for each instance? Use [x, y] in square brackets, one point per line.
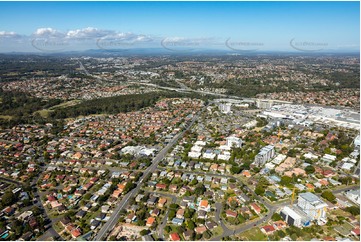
[109, 225]
[187, 89]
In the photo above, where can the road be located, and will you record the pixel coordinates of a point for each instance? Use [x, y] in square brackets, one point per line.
[272, 208]
[109, 225]
[339, 190]
[192, 90]
[11, 181]
[51, 232]
[84, 69]
[219, 208]
[248, 225]
[161, 227]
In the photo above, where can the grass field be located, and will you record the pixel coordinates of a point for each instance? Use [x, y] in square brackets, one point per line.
[8, 117]
[45, 112]
[339, 212]
[65, 104]
[217, 231]
[253, 234]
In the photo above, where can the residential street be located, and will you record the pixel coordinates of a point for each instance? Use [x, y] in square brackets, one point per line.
[109, 225]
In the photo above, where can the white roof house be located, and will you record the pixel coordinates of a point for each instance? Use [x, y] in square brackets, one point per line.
[347, 166]
[278, 159]
[196, 148]
[209, 155]
[200, 143]
[310, 156]
[194, 154]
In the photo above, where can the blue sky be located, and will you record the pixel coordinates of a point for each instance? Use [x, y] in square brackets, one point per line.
[246, 25]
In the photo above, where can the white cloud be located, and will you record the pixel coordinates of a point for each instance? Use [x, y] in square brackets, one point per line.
[47, 33]
[128, 37]
[50, 39]
[4, 34]
[188, 40]
[87, 33]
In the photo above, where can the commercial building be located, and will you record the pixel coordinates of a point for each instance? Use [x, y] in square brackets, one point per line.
[225, 108]
[264, 104]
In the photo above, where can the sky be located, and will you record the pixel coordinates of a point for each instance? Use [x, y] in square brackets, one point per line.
[234, 26]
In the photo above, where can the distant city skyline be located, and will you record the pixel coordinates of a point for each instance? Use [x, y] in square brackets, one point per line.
[180, 26]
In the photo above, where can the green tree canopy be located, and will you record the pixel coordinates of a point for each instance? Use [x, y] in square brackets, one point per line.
[329, 196]
[8, 198]
[310, 169]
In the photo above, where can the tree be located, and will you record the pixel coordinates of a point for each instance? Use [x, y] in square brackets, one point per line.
[200, 189]
[171, 214]
[207, 235]
[144, 232]
[310, 169]
[276, 217]
[36, 210]
[70, 213]
[281, 234]
[318, 190]
[345, 180]
[26, 202]
[235, 170]
[292, 153]
[191, 225]
[167, 229]
[193, 182]
[113, 238]
[180, 229]
[259, 190]
[188, 213]
[198, 236]
[329, 196]
[285, 180]
[173, 206]
[87, 196]
[353, 210]
[8, 198]
[294, 236]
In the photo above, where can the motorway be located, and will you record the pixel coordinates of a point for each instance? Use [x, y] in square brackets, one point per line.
[187, 89]
[109, 225]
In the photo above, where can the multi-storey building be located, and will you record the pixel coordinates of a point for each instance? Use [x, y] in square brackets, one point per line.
[265, 154]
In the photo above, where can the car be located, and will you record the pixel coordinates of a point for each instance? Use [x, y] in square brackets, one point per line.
[47, 221]
[46, 227]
